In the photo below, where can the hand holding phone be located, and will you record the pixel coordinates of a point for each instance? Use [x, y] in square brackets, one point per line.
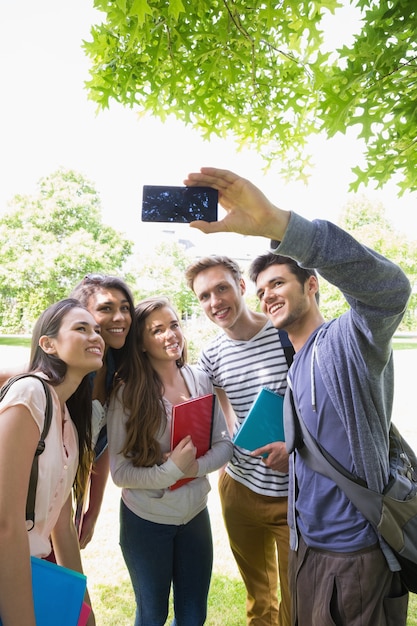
[179, 204]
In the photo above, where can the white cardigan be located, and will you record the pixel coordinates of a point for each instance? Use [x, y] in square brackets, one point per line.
[145, 489]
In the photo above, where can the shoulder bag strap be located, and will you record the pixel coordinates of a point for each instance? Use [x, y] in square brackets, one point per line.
[320, 460]
[33, 479]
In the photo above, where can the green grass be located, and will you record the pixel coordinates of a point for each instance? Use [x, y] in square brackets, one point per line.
[226, 605]
[24, 341]
[412, 610]
[401, 344]
[15, 340]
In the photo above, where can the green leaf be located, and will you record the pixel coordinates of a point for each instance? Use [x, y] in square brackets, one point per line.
[141, 9]
[175, 8]
[260, 73]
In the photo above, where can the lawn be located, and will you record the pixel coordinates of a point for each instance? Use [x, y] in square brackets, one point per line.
[109, 582]
[15, 340]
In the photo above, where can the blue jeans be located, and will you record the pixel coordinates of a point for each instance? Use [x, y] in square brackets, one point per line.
[158, 555]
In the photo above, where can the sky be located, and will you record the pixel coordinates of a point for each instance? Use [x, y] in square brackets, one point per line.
[47, 122]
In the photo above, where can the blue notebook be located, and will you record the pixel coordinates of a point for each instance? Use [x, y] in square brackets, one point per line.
[58, 593]
[264, 423]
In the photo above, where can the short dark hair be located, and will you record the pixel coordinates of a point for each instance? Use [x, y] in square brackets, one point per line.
[214, 260]
[264, 261]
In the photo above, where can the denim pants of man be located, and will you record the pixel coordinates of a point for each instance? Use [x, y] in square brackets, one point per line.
[259, 538]
[158, 555]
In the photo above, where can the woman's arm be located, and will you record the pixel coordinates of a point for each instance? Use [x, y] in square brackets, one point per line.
[19, 436]
[95, 496]
[124, 474]
[66, 546]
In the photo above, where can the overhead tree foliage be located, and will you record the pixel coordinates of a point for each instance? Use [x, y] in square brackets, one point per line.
[49, 242]
[373, 84]
[258, 71]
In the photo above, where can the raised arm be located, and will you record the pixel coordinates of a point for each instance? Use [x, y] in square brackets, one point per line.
[249, 212]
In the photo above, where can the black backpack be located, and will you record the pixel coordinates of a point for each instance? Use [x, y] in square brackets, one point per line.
[33, 480]
[286, 346]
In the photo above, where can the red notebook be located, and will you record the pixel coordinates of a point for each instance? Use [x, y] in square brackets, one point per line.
[195, 418]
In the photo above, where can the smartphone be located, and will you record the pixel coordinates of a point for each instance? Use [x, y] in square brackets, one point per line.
[179, 204]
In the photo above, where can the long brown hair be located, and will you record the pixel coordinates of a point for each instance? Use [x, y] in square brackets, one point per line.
[80, 403]
[86, 289]
[143, 394]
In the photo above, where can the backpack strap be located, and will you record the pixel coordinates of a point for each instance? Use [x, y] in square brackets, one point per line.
[33, 479]
[286, 346]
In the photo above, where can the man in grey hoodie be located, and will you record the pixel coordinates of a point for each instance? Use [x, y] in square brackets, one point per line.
[341, 571]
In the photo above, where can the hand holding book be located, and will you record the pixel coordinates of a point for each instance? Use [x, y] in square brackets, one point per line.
[184, 454]
[275, 456]
[193, 419]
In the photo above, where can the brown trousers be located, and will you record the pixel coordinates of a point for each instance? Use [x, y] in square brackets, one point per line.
[345, 589]
[259, 539]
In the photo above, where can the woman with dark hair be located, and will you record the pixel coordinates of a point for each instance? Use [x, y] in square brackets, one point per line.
[109, 300]
[66, 347]
[165, 534]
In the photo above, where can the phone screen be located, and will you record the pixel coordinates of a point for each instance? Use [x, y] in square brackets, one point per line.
[179, 204]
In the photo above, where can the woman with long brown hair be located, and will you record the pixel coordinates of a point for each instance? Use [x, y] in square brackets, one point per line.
[66, 347]
[165, 534]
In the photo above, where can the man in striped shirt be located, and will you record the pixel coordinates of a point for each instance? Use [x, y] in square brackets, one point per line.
[246, 355]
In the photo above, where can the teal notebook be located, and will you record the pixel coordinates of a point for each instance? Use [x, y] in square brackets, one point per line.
[58, 594]
[264, 423]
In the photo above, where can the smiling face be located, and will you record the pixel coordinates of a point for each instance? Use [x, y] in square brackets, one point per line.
[162, 339]
[78, 342]
[220, 296]
[111, 310]
[283, 298]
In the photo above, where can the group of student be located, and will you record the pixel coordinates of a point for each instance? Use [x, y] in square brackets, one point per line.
[125, 367]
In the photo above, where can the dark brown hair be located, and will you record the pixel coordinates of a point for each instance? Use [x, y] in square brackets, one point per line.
[143, 394]
[80, 403]
[86, 289]
[264, 261]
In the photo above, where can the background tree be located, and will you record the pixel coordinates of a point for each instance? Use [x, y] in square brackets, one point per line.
[367, 222]
[48, 242]
[161, 272]
[259, 72]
